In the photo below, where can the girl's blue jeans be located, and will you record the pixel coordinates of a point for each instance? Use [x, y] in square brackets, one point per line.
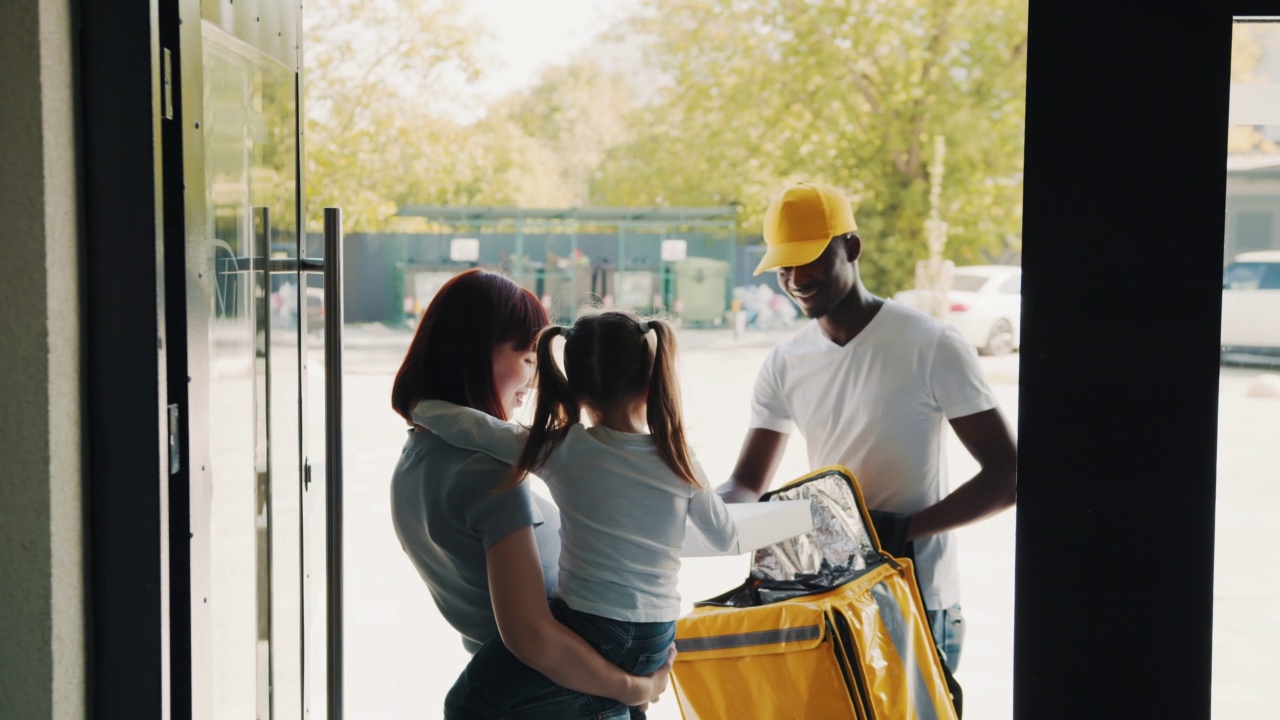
[495, 685]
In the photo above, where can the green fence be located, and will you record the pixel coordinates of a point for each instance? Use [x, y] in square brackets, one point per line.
[679, 261]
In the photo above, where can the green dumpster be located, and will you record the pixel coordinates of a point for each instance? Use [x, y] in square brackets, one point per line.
[701, 286]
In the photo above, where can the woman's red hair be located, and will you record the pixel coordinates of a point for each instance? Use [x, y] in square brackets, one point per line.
[451, 356]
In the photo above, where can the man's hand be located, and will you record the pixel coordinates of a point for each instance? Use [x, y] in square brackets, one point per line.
[761, 452]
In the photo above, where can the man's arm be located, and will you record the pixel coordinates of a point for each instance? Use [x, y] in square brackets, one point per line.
[757, 461]
[987, 437]
[534, 636]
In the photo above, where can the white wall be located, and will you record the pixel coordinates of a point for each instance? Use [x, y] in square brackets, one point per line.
[42, 603]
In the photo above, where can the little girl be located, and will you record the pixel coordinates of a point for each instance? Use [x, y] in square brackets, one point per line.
[624, 486]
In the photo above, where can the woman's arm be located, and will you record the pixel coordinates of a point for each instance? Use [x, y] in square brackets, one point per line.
[535, 637]
[471, 429]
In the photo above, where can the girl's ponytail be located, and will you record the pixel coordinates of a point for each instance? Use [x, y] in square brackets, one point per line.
[556, 410]
[664, 405]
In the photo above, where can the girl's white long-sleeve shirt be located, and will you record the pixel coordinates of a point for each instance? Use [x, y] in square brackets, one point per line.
[622, 510]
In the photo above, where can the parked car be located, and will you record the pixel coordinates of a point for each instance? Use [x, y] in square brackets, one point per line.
[1251, 303]
[985, 305]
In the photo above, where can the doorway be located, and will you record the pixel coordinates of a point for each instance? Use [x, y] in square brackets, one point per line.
[258, 390]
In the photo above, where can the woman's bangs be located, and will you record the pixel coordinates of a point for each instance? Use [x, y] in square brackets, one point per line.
[520, 322]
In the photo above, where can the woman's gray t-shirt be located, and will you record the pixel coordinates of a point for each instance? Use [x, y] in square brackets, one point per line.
[446, 516]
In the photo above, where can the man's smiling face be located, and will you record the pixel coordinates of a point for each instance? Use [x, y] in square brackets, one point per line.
[822, 284]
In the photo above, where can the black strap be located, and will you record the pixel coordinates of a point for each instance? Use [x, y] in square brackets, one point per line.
[891, 530]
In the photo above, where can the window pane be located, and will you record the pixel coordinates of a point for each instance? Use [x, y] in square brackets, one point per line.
[1246, 588]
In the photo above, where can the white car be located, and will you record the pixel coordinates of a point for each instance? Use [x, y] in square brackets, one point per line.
[1251, 303]
[985, 305]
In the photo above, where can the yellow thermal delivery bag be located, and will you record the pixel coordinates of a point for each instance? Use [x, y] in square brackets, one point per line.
[827, 626]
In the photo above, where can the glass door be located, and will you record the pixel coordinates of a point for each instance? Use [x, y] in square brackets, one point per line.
[262, 381]
[254, 380]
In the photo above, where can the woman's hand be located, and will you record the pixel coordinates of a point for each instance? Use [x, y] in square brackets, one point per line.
[658, 680]
[538, 640]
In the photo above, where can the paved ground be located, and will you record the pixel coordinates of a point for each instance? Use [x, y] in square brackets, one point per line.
[402, 657]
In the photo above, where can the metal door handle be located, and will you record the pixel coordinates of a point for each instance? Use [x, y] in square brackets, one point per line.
[331, 266]
[333, 446]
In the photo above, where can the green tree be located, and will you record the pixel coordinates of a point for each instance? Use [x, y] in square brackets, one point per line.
[383, 83]
[380, 78]
[574, 113]
[762, 92]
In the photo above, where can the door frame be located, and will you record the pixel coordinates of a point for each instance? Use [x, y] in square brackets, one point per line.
[1126, 130]
[139, 414]
[134, 566]
[127, 358]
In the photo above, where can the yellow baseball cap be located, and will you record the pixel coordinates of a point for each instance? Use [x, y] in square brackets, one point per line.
[800, 222]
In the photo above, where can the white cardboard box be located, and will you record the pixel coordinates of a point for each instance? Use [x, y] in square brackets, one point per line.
[759, 524]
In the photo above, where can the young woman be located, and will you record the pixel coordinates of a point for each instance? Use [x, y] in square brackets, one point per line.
[485, 550]
[625, 486]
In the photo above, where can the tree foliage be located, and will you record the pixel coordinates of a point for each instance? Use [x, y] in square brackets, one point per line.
[576, 112]
[750, 95]
[383, 87]
[763, 92]
[380, 77]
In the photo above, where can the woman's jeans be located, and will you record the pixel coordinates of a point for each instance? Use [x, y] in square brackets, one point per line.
[496, 685]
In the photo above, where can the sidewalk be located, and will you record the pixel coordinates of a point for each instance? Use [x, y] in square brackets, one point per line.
[402, 657]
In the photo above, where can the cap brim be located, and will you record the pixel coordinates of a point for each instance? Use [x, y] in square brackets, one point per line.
[792, 254]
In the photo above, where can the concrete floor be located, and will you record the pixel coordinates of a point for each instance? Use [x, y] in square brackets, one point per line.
[401, 657]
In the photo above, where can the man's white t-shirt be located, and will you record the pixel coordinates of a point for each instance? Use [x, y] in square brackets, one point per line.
[876, 406]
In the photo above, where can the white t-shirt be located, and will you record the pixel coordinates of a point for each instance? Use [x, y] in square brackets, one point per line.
[622, 510]
[876, 406]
